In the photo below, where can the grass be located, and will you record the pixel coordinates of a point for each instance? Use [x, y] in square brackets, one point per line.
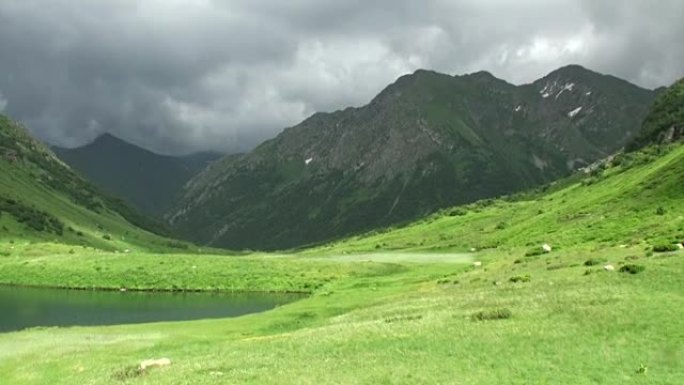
[416, 310]
[140, 271]
[400, 326]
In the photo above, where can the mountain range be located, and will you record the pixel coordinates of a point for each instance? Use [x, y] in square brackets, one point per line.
[427, 141]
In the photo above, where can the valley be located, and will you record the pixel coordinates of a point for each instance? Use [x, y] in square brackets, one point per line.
[575, 280]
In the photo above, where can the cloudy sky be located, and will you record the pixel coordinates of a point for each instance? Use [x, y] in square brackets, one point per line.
[184, 75]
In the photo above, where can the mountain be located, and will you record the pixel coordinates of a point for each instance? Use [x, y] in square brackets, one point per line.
[631, 199]
[42, 199]
[427, 141]
[665, 121]
[147, 181]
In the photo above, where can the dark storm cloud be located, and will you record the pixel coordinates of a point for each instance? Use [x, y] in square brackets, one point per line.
[184, 75]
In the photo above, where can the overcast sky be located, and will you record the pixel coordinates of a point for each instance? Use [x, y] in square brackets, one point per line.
[183, 75]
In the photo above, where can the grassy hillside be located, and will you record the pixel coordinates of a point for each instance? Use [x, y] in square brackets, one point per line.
[632, 199]
[42, 201]
[665, 122]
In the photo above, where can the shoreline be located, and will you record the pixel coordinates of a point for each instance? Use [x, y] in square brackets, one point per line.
[153, 290]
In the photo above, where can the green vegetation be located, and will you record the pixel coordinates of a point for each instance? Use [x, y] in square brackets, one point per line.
[383, 325]
[632, 269]
[618, 209]
[665, 122]
[43, 201]
[420, 314]
[92, 269]
[488, 315]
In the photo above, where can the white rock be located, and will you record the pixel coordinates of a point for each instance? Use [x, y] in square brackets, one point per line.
[681, 246]
[472, 249]
[158, 363]
[609, 268]
[547, 248]
[477, 264]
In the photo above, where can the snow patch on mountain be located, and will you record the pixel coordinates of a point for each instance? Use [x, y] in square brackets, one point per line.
[574, 112]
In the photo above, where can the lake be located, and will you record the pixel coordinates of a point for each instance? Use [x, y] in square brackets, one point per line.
[21, 308]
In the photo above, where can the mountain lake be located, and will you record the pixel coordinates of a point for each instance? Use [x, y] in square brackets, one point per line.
[22, 308]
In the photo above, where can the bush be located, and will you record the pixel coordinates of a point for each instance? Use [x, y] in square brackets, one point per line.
[534, 252]
[495, 314]
[107, 237]
[457, 212]
[665, 247]
[592, 262]
[520, 278]
[632, 269]
[660, 211]
[32, 217]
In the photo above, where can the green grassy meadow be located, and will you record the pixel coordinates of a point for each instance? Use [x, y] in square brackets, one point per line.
[404, 305]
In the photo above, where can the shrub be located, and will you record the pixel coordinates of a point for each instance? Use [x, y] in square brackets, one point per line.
[457, 212]
[592, 262]
[665, 247]
[632, 269]
[107, 237]
[534, 252]
[660, 210]
[520, 278]
[495, 314]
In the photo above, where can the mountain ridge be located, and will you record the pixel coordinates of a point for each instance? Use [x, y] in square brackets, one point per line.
[144, 179]
[426, 141]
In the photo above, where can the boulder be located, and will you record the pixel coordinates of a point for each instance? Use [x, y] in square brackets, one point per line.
[609, 268]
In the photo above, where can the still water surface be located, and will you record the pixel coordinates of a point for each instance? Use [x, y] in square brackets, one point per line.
[28, 307]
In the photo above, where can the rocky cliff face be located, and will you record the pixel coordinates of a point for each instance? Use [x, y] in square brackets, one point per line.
[427, 141]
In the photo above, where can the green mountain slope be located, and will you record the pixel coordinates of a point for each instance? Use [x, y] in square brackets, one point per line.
[633, 199]
[426, 142]
[629, 199]
[43, 200]
[147, 181]
[665, 122]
